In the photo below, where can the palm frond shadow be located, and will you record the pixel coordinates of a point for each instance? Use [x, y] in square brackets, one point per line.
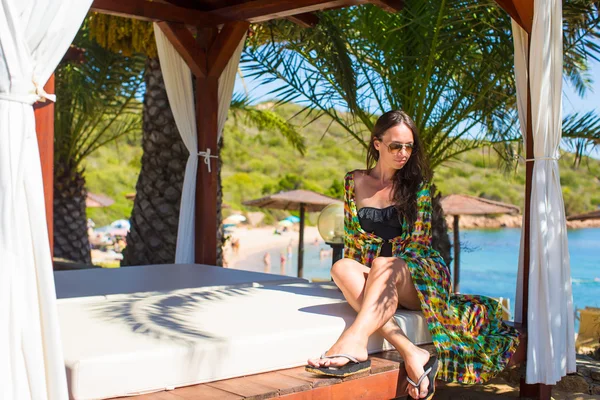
[166, 316]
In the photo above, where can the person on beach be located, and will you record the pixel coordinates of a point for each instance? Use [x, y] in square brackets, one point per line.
[282, 260]
[267, 261]
[389, 263]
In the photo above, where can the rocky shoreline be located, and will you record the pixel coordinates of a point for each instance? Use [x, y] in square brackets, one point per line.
[508, 221]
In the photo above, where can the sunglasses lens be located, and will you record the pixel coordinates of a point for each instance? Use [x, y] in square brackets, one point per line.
[395, 148]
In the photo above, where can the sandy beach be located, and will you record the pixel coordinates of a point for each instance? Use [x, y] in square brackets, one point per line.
[254, 242]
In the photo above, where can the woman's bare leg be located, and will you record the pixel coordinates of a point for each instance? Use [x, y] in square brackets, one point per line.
[387, 284]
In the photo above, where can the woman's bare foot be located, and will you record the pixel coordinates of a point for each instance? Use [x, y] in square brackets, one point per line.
[414, 363]
[347, 344]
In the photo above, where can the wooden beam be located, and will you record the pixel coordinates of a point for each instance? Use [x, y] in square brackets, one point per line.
[184, 42]
[155, 11]
[207, 108]
[519, 10]
[525, 9]
[224, 46]
[301, 241]
[534, 391]
[44, 129]
[264, 10]
[184, 3]
[307, 20]
[456, 232]
[391, 6]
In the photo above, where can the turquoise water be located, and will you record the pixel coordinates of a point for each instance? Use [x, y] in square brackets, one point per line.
[489, 263]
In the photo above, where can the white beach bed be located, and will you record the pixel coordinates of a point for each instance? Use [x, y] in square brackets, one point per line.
[142, 329]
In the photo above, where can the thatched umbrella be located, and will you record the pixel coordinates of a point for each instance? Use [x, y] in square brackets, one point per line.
[583, 217]
[459, 204]
[303, 200]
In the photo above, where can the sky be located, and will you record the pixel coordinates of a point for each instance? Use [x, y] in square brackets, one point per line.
[571, 100]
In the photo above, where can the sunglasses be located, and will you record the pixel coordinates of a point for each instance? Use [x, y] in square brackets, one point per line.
[395, 147]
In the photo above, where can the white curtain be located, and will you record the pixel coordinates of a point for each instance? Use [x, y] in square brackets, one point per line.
[551, 339]
[34, 35]
[178, 84]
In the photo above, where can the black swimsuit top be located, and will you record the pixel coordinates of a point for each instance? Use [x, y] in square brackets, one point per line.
[382, 222]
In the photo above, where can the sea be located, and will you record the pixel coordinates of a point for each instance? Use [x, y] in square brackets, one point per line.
[488, 263]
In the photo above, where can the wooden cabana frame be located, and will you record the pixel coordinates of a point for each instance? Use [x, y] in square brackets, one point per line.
[207, 55]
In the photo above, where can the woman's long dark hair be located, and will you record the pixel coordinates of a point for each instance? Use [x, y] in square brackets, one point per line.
[406, 180]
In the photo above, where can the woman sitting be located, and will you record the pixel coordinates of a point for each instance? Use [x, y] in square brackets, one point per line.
[389, 264]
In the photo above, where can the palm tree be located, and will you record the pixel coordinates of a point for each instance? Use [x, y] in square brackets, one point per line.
[449, 64]
[97, 105]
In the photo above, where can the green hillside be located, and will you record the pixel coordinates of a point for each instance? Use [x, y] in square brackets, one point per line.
[256, 164]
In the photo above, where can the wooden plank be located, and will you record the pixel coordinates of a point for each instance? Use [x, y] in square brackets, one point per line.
[204, 392]
[386, 385]
[391, 6]
[264, 10]
[386, 380]
[247, 388]
[184, 42]
[224, 46]
[315, 380]
[285, 384]
[306, 20]
[155, 11]
[44, 129]
[379, 365]
[162, 395]
[207, 106]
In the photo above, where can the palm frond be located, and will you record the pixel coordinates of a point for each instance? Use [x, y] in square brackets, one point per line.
[98, 100]
[267, 121]
[448, 64]
[581, 134]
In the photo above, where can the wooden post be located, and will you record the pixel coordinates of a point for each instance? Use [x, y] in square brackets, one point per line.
[301, 242]
[207, 56]
[456, 254]
[44, 127]
[533, 391]
[207, 108]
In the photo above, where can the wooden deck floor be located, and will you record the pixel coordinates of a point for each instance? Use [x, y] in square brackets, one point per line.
[386, 380]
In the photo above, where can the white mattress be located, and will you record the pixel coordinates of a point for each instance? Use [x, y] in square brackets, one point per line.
[155, 278]
[124, 344]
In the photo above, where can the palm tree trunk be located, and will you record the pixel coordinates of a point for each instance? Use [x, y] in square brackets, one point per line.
[155, 216]
[70, 221]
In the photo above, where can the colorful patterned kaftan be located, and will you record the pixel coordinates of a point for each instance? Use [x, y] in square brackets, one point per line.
[472, 342]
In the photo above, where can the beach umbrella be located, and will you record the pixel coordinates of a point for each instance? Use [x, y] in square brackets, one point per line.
[460, 204]
[294, 200]
[286, 223]
[234, 219]
[98, 200]
[121, 224]
[293, 219]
